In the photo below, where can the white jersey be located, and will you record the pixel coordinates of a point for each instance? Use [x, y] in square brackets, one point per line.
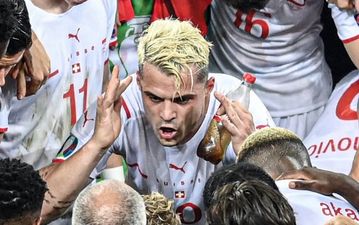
[77, 43]
[5, 96]
[177, 172]
[334, 139]
[281, 46]
[311, 208]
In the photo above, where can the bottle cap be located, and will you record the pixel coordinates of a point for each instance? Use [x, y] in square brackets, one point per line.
[249, 78]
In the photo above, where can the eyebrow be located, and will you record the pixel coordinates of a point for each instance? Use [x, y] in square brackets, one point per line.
[148, 93]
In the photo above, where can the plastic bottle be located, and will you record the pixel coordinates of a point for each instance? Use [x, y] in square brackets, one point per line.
[215, 142]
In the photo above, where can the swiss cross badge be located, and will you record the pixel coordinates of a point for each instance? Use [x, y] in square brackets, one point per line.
[76, 68]
[180, 194]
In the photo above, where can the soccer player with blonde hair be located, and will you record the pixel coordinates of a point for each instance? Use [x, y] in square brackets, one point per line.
[165, 114]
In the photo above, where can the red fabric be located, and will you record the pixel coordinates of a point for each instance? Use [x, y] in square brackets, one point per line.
[125, 10]
[184, 9]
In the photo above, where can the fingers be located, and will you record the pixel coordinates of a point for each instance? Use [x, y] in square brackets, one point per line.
[356, 5]
[115, 88]
[237, 115]
[302, 185]
[343, 4]
[21, 84]
[28, 61]
[15, 71]
[33, 84]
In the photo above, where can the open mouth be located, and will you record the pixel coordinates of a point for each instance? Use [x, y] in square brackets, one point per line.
[167, 132]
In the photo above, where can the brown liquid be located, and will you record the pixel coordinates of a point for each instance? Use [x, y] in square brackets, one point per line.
[215, 142]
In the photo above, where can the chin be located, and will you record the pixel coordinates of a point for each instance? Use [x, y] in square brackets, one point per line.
[168, 143]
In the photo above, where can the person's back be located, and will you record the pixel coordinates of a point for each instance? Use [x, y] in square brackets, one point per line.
[21, 193]
[277, 151]
[334, 139]
[109, 202]
[318, 207]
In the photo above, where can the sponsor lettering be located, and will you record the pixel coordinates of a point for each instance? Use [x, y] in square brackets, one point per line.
[332, 210]
[331, 145]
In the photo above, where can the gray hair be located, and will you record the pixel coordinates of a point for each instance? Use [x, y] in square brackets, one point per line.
[109, 202]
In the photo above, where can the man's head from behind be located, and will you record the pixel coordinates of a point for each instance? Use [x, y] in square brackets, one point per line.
[275, 150]
[245, 194]
[21, 193]
[173, 78]
[109, 202]
[233, 173]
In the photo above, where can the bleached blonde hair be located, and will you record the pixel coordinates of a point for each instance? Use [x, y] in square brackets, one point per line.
[268, 146]
[175, 48]
[159, 210]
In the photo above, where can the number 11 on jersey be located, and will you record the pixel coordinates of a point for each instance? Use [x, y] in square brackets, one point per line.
[72, 95]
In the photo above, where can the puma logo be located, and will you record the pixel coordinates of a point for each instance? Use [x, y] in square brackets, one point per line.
[173, 166]
[75, 36]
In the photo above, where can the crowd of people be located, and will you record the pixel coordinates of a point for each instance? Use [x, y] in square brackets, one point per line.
[104, 104]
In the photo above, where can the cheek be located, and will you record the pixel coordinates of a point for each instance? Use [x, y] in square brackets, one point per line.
[191, 116]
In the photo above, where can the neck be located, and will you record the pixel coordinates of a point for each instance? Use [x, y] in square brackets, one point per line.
[53, 6]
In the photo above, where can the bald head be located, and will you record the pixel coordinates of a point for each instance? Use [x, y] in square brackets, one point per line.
[275, 150]
[109, 202]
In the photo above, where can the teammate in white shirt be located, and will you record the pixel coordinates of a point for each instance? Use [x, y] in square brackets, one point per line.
[334, 139]
[165, 114]
[281, 45]
[19, 49]
[78, 46]
[277, 150]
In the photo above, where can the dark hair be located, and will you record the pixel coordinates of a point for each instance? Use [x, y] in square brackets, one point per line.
[249, 202]
[233, 173]
[267, 147]
[21, 190]
[246, 5]
[15, 25]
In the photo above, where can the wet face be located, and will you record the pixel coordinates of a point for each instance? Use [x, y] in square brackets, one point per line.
[7, 63]
[175, 117]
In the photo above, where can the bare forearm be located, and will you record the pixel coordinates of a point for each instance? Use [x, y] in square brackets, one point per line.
[65, 180]
[353, 52]
[348, 188]
[354, 172]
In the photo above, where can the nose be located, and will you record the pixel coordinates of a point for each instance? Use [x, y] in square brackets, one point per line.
[168, 112]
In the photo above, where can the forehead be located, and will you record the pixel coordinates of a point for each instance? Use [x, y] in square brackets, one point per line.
[156, 81]
[8, 60]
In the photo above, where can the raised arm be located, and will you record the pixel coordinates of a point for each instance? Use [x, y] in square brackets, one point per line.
[65, 180]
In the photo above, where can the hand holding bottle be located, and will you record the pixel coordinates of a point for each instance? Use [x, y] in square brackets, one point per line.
[232, 122]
